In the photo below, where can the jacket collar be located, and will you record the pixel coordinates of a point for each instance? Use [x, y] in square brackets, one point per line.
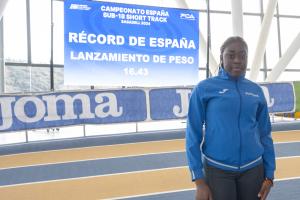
[225, 75]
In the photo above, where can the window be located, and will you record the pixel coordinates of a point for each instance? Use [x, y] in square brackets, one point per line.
[289, 30]
[40, 25]
[295, 62]
[289, 7]
[15, 32]
[251, 23]
[224, 5]
[221, 29]
[196, 4]
[272, 48]
[17, 79]
[58, 32]
[289, 76]
[252, 6]
[21, 77]
[40, 79]
[59, 78]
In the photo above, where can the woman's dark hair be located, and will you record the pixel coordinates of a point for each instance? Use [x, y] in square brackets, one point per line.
[229, 41]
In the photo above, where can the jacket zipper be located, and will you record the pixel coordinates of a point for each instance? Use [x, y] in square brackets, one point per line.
[239, 116]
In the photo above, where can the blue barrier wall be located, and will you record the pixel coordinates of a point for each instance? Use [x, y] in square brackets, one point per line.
[21, 112]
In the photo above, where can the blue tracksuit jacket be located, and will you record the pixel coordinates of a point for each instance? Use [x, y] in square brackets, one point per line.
[237, 132]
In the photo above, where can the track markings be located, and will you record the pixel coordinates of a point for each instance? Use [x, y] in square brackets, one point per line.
[112, 151]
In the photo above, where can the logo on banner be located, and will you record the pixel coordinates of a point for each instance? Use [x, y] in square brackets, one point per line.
[187, 16]
[270, 101]
[79, 7]
[60, 109]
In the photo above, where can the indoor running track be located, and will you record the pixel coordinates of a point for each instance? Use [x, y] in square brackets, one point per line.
[134, 167]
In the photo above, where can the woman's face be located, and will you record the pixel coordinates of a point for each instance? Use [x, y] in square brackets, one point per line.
[235, 59]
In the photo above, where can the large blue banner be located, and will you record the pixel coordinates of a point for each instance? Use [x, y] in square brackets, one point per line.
[130, 45]
[23, 112]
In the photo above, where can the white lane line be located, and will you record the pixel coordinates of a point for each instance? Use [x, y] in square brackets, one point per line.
[287, 157]
[122, 173]
[289, 142]
[67, 139]
[89, 147]
[95, 176]
[92, 159]
[287, 179]
[114, 157]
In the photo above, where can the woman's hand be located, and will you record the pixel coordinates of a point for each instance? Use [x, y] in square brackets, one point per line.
[202, 190]
[265, 189]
